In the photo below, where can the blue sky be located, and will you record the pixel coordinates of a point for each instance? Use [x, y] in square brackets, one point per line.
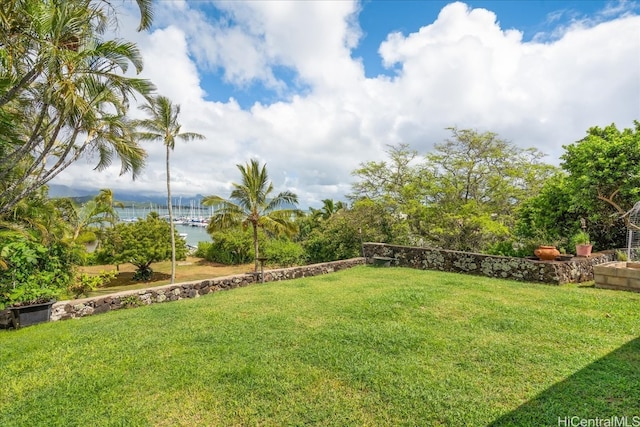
[378, 18]
[315, 88]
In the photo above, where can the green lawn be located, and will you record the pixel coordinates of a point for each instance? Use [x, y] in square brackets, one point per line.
[363, 347]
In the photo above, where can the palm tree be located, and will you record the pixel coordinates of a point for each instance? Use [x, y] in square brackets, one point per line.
[108, 204]
[250, 204]
[328, 209]
[162, 125]
[95, 212]
[64, 92]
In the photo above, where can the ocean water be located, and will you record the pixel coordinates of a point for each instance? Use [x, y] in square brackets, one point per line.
[194, 234]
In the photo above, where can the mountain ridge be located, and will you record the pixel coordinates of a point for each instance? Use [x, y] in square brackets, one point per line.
[82, 195]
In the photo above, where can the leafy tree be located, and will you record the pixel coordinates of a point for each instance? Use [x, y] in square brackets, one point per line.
[604, 174]
[63, 92]
[476, 183]
[342, 235]
[250, 204]
[550, 216]
[486, 171]
[600, 183]
[392, 183]
[463, 195]
[163, 126]
[140, 243]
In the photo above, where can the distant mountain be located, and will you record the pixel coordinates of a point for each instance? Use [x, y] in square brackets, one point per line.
[56, 191]
[128, 198]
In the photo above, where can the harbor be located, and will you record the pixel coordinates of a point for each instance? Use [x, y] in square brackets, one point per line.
[189, 221]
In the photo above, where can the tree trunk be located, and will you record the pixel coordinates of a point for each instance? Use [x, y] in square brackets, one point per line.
[255, 246]
[173, 234]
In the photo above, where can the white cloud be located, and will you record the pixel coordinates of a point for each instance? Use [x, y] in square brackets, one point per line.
[461, 70]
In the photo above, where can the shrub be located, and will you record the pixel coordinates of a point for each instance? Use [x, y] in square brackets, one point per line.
[84, 283]
[513, 249]
[284, 253]
[203, 249]
[233, 246]
[35, 272]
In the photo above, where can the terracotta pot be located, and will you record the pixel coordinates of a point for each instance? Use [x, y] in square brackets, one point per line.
[547, 253]
[583, 250]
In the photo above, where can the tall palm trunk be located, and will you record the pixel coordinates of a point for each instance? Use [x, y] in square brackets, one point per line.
[173, 234]
[255, 246]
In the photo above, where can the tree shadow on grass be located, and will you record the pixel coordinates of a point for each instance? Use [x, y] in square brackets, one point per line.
[609, 387]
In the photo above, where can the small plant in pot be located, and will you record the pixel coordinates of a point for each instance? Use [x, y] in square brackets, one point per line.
[33, 277]
[31, 302]
[583, 244]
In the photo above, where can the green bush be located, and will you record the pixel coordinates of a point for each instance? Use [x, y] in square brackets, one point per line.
[231, 247]
[203, 249]
[84, 283]
[513, 249]
[90, 259]
[284, 253]
[86, 237]
[35, 272]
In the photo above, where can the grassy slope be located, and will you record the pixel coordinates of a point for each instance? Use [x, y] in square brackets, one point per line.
[361, 347]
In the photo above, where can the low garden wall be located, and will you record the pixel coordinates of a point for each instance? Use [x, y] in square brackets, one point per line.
[575, 270]
[622, 275]
[88, 306]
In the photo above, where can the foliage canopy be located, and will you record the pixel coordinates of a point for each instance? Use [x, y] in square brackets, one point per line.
[140, 243]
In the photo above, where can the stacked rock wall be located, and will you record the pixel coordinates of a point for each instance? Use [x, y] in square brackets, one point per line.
[88, 306]
[575, 270]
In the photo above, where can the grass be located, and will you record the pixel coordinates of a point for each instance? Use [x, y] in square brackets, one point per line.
[362, 347]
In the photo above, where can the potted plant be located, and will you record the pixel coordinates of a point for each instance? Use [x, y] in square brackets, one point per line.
[31, 312]
[583, 243]
[35, 275]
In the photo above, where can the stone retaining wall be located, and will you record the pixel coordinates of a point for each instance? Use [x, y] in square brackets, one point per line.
[89, 306]
[576, 270]
[552, 272]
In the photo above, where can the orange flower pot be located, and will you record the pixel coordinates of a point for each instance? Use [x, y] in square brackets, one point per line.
[546, 253]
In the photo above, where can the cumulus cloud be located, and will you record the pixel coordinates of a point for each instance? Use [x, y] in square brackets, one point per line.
[461, 70]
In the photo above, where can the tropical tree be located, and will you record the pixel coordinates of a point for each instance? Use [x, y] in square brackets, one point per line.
[106, 200]
[341, 235]
[63, 92]
[36, 259]
[328, 209]
[391, 182]
[96, 212]
[604, 168]
[600, 184]
[250, 204]
[163, 125]
[140, 243]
